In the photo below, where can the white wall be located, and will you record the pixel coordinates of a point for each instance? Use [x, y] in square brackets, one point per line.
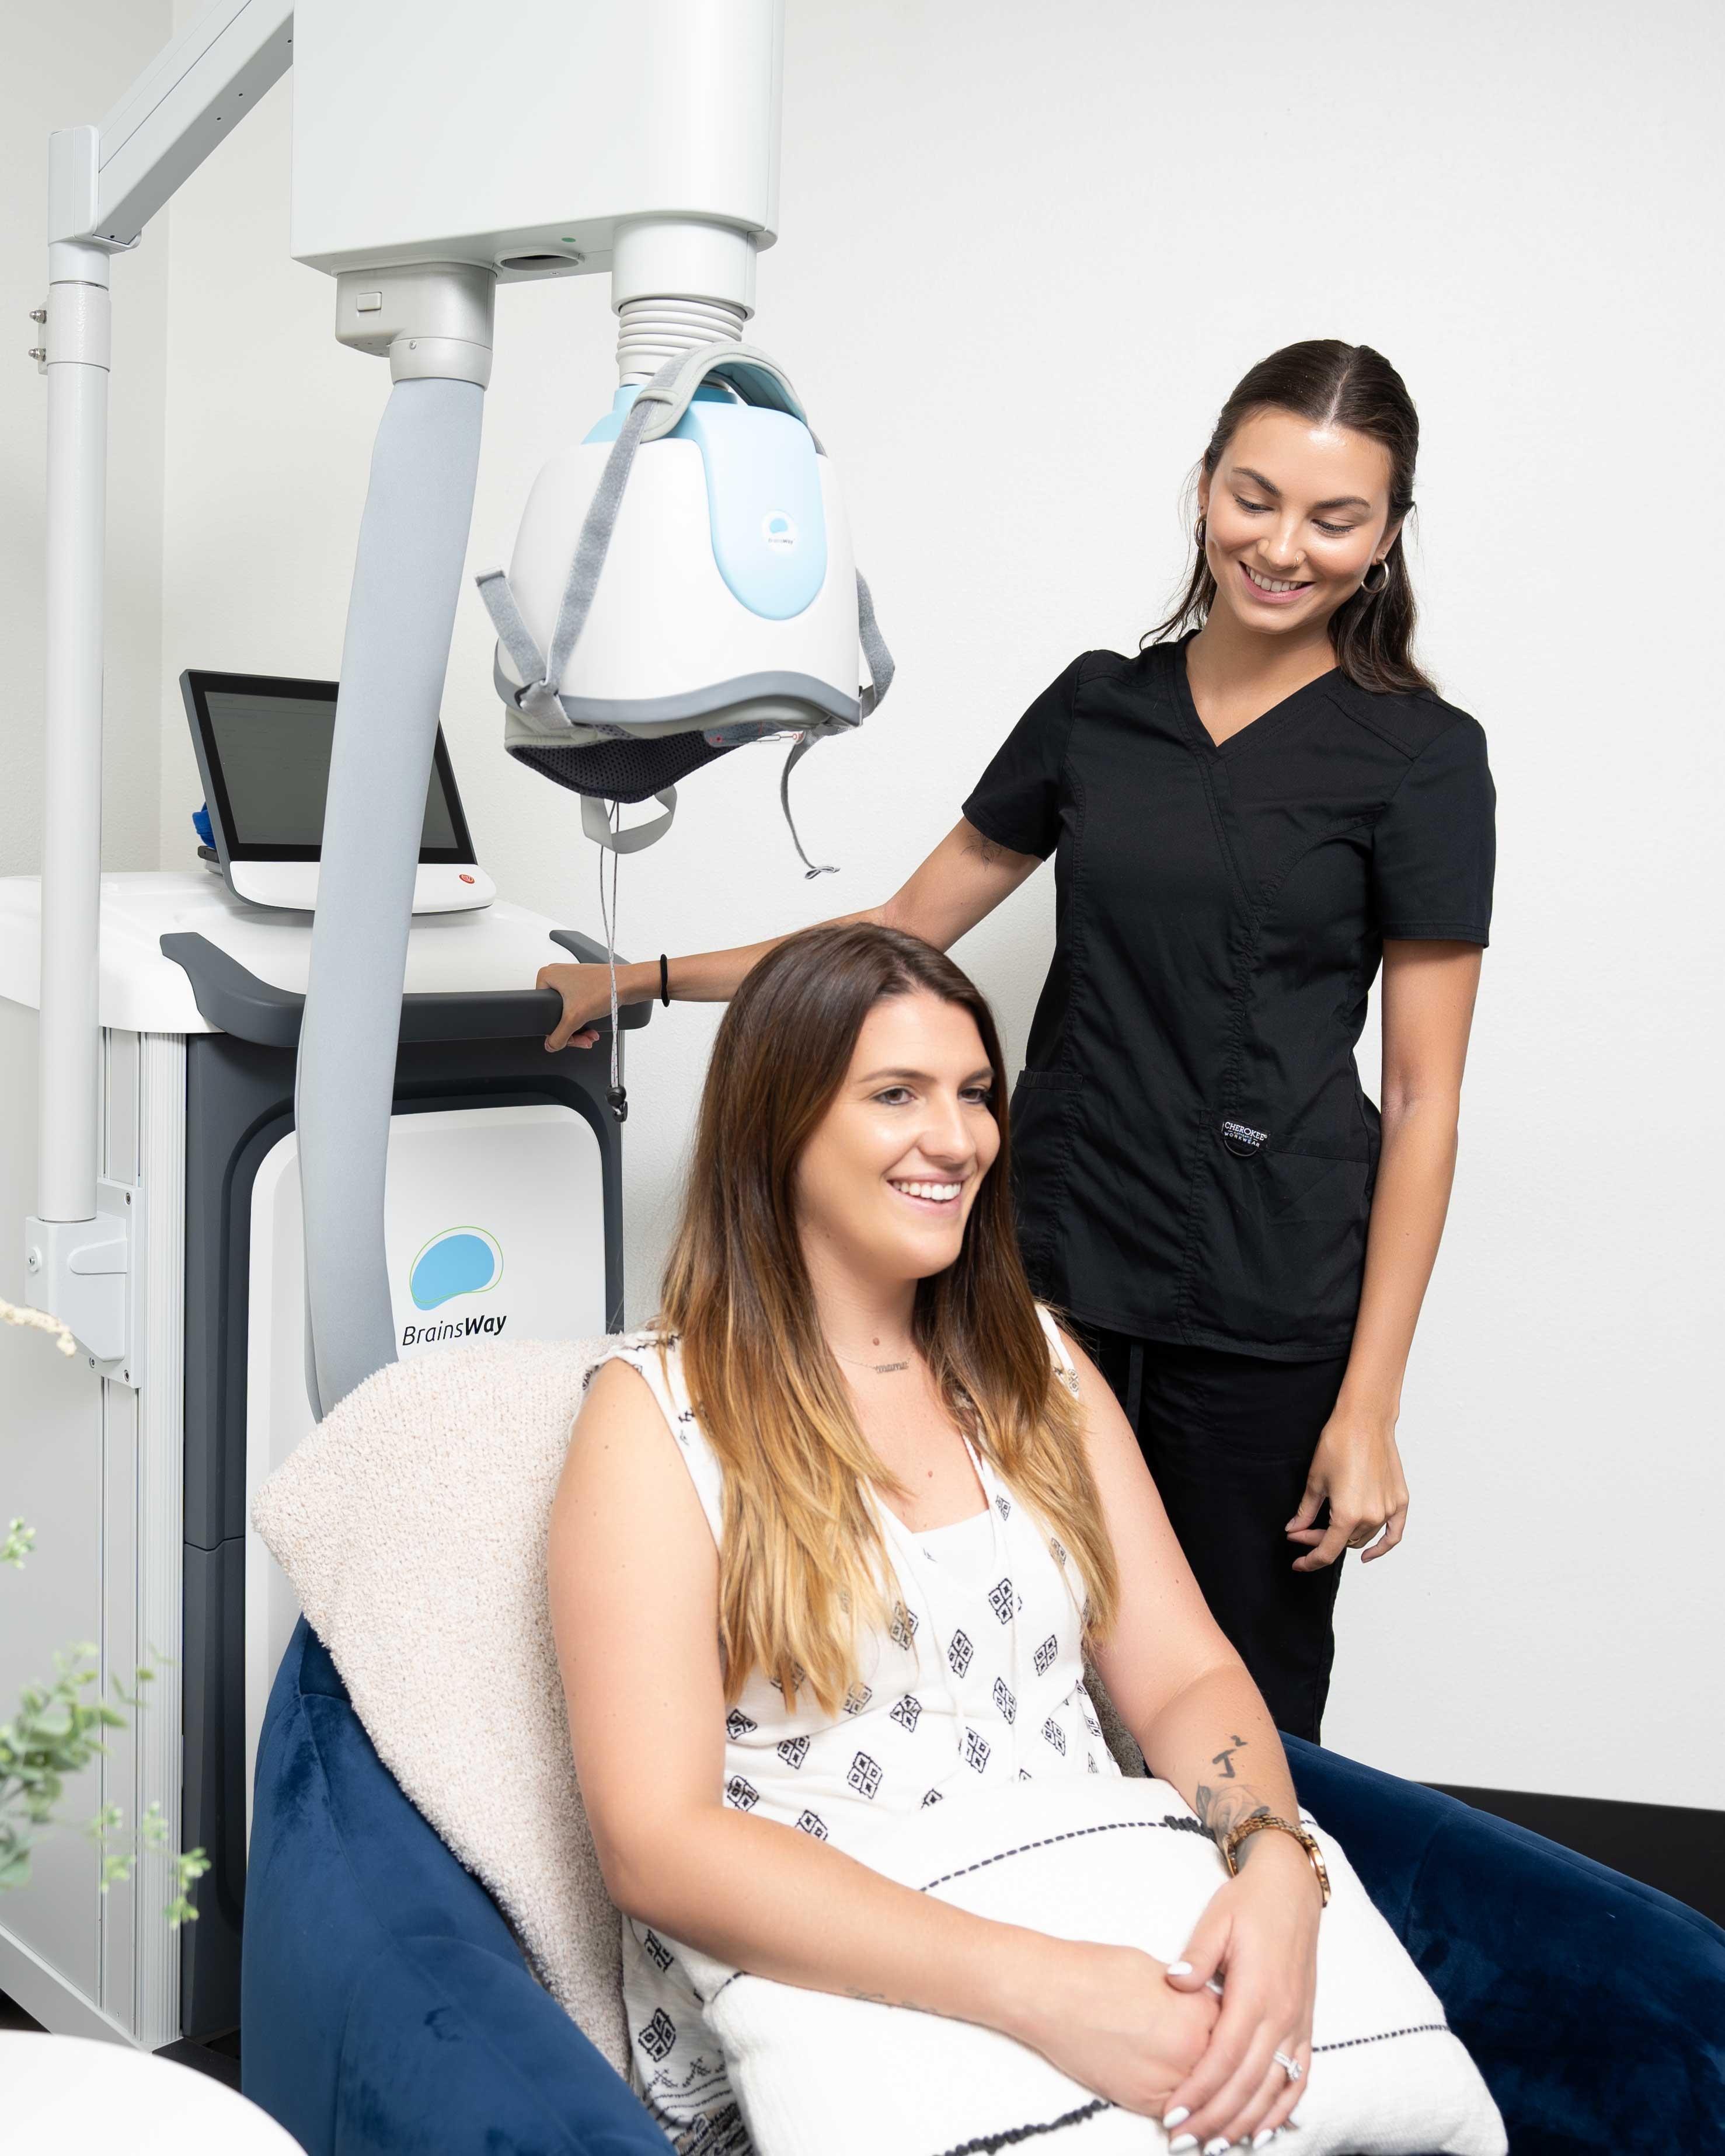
[65, 65]
[1025, 252]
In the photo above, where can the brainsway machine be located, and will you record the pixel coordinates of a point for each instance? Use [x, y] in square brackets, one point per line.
[291, 1116]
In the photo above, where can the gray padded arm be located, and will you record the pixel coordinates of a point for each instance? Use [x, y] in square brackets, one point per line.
[407, 576]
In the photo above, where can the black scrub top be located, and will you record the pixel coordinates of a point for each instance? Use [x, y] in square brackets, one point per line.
[1193, 1152]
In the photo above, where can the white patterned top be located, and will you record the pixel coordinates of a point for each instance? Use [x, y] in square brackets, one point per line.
[978, 1679]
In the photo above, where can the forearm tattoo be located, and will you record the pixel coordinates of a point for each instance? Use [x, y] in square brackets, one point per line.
[1221, 1805]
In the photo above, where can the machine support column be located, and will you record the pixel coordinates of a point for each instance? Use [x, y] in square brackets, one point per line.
[79, 1244]
[77, 345]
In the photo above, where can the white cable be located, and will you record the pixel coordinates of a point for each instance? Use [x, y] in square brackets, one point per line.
[608, 918]
[651, 330]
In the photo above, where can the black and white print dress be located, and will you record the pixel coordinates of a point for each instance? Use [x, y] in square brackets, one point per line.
[978, 1679]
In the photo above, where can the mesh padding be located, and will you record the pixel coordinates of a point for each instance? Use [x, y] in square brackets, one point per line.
[623, 770]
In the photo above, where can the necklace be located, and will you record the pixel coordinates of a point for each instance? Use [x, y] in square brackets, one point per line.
[881, 1368]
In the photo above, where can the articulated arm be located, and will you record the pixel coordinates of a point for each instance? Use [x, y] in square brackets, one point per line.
[104, 183]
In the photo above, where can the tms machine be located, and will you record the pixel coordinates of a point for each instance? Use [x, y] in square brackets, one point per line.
[279, 1120]
[502, 1219]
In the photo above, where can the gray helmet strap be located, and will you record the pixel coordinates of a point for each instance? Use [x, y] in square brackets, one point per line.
[657, 408]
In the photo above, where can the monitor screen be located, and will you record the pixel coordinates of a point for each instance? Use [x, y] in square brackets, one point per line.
[265, 751]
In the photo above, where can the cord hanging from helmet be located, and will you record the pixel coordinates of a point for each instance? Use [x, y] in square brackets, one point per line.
[616, 1093]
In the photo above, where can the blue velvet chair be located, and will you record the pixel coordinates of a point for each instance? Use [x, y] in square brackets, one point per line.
[387, 2006]
[384, 2004]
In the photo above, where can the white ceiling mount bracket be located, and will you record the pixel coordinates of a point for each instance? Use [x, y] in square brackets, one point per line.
[431, 320]
[521, 137]
[74, 156]
[86, 1274]
[191, 97]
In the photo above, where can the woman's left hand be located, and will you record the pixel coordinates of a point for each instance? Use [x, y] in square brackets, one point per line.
[1260, 1936]
[1359, 1469]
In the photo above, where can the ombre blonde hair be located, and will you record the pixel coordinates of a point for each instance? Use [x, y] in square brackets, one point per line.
[802, 1567]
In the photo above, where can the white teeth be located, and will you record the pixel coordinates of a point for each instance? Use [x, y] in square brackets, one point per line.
[1269, 583]
[938, 1190]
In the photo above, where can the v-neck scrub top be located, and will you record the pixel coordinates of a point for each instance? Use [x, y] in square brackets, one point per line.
[1193, 1154]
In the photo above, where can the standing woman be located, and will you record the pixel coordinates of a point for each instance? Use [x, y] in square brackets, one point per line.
[1248, 817]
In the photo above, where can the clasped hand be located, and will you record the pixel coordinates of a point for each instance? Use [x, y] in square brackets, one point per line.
[1157, 2040]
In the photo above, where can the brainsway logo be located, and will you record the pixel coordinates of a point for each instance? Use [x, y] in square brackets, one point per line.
[463, 1261]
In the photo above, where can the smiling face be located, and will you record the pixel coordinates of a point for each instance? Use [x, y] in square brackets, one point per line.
[887, 1181]
[1295, 515]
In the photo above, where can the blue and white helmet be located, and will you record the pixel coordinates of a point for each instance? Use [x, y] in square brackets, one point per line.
[682, 583]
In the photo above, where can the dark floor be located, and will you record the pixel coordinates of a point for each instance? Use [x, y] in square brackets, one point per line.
[1680, 1849]
[13, 2016]
[220, 2056]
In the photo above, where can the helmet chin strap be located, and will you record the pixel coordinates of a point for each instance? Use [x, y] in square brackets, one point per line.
[803, 743]
[599, 820]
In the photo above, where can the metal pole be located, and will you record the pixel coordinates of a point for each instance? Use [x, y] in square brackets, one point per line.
[77, 345]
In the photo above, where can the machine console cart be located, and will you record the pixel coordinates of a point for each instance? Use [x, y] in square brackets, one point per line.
[503, 1219]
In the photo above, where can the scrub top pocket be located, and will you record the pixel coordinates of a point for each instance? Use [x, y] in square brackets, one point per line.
[1273, 1216]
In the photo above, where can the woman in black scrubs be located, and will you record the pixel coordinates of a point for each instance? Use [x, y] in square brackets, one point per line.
[1247, 818]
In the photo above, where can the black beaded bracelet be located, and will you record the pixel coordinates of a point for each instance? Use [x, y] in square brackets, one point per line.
[665, 980]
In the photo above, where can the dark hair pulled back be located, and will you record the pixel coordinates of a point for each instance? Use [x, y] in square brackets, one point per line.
[1334, 385]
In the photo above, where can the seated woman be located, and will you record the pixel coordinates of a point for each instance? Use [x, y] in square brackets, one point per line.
[837, 1544]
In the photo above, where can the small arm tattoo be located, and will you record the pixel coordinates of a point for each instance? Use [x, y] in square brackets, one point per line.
[985, 850]
[1224, 1758]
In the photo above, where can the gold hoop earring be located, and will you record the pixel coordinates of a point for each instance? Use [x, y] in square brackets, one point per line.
[1370, 590]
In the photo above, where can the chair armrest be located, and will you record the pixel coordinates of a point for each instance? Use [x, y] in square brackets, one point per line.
[449, 2049]
[384, 2001]
[1595, 2006]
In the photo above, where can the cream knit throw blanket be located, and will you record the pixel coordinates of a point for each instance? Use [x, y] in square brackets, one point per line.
[412, 1525]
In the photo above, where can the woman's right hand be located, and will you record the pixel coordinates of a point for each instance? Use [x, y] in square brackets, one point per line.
[1106, 2016]
[586, 991]
[964, 879]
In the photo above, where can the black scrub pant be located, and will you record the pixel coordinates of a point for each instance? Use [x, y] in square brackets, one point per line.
[1228, 1440]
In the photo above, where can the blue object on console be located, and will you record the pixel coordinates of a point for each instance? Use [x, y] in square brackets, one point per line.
[387, 2006]
[201, 823]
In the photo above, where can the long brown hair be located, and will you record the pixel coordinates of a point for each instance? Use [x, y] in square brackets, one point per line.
[803, 1565]
[1334, 385]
